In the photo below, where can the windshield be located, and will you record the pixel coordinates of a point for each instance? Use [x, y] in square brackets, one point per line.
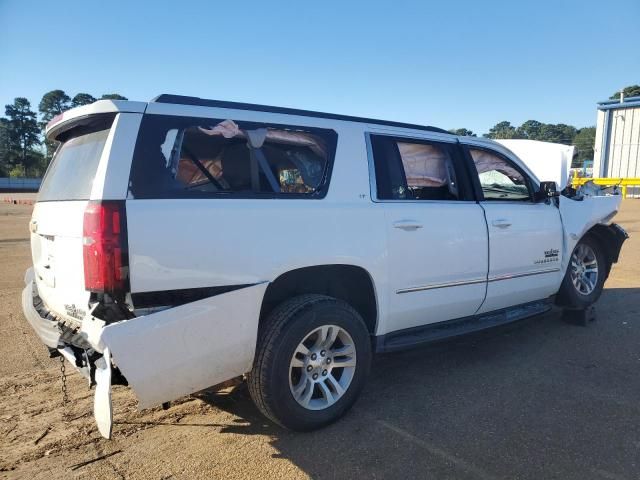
[73, 168]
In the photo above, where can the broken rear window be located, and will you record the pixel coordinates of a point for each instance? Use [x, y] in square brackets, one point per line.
[179, 157]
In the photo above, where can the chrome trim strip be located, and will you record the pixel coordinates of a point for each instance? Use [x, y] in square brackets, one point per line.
[441, 285]
[475, 281]
[509, 276]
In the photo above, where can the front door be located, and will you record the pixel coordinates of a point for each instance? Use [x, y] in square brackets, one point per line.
[525, 236]
[437, 236]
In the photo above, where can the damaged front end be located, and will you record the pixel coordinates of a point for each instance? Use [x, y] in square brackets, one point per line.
[590, 209]
[163, 355]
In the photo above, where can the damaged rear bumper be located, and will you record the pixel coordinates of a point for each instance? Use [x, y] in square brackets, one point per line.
[97, 370]
[45, 328]
[163, 355]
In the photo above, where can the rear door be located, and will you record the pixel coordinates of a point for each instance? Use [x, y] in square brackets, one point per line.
[525, 236]
[437, 236]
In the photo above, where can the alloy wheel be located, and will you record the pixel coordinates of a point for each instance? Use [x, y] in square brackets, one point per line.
[322, 367]
[584, 269]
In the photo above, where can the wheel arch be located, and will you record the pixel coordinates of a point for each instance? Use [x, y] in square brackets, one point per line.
[610, 238]
[351, 283]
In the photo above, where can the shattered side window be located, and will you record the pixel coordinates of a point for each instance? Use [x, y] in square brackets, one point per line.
[197, 157]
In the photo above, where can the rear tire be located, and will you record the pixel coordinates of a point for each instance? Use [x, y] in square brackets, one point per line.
[311, 362]
[584, 279]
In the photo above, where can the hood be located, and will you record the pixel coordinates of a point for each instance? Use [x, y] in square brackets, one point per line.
[548, 161]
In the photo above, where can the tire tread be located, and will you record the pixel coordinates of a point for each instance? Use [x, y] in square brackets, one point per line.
[265, 350]
[567, 297]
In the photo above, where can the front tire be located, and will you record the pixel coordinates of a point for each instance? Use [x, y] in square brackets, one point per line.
[584, 279]
[312, 360]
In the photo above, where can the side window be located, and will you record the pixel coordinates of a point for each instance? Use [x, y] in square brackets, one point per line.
[499, 178]
[414, 169]
[186, 157]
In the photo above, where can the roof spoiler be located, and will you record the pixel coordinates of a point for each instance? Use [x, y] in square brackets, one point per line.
[63, 121]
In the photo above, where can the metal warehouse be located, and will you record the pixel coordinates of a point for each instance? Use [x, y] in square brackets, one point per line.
[617, 146]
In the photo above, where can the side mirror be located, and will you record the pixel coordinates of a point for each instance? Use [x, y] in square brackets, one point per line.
[547, 190]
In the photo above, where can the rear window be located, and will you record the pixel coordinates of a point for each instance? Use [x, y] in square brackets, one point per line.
[183, 157]
[73, 168]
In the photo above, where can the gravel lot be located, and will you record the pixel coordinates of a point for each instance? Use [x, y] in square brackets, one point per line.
[539, 399]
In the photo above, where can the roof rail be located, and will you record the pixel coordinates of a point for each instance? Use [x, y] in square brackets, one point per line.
[185, 100]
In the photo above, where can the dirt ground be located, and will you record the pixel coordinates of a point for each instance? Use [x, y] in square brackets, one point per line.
[538, 399]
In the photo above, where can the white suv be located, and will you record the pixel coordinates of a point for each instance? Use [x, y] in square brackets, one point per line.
[183, 242]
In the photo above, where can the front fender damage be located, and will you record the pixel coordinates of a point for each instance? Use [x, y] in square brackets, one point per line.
[591, 214]
[178, 351]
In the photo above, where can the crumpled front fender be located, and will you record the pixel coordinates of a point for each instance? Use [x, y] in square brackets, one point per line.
[580, 216]
[611, 237]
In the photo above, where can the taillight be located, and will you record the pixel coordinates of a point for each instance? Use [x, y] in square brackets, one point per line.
[104, 247]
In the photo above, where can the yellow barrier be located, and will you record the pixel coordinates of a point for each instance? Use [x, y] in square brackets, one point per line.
[623, 183]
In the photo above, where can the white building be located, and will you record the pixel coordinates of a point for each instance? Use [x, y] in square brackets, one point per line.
[617, 146]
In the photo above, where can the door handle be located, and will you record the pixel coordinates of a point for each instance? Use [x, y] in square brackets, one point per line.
[408, 225]
[501, 223]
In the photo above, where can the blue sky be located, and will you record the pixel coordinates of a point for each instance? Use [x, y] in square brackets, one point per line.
[450, 64]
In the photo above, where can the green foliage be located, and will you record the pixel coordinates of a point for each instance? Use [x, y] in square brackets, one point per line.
[534, 130]
[35, 170]
[17, 171]
[5, 147]
[502, 130]
[21, 148]
[558, 133]
[583, 139]
[112, 96]
[38, 164]
[630, 91]
[462, 132]
[531, 129]
[23, 133]
[82, 99]
[584, 142]
[53, 103]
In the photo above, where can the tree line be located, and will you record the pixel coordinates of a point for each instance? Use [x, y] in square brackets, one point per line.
[24, 151]
[582, 138]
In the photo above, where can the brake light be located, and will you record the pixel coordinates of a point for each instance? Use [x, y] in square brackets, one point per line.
[104, 247]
